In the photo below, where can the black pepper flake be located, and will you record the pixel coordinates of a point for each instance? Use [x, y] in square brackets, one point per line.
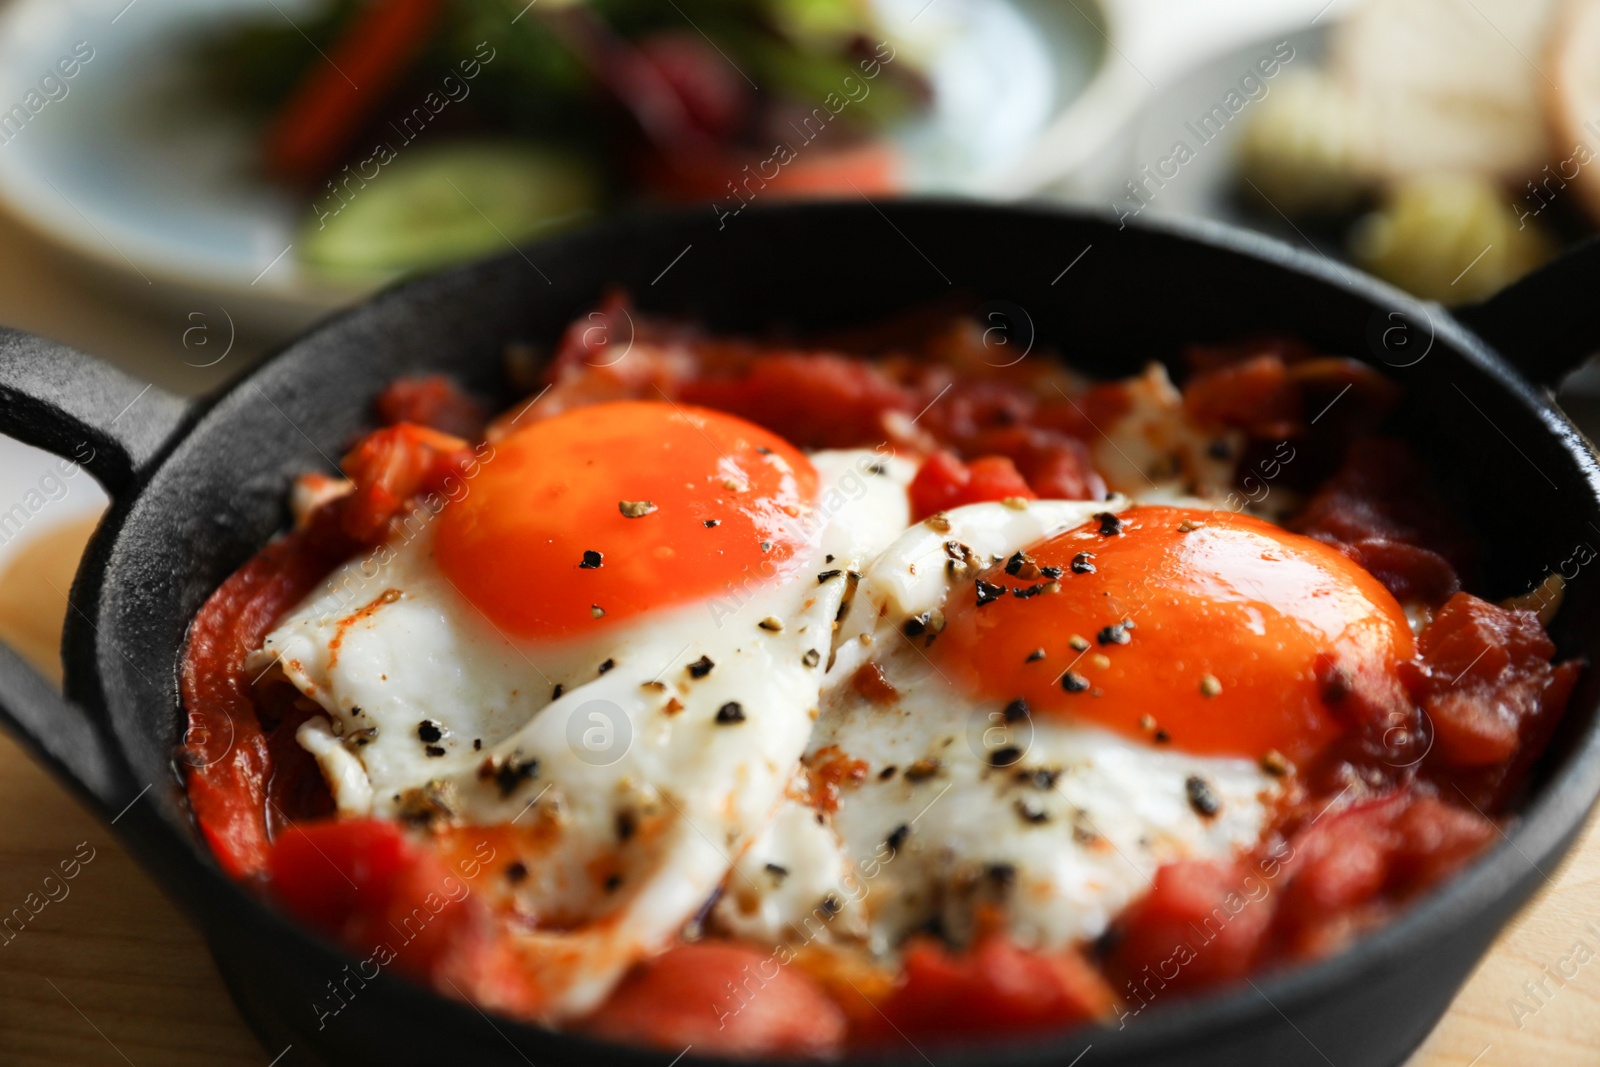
[510, 773]
[878, 468]
[778, 873]
[1050, 573]
[1035, 656]
[1115, 634]
[1002, 875]
[555, 694]
[897, 837]
[477, 744]
[887, 773]
[1031, 812]
[988, 592]
[766, 546]
[1016, 711]
[710, 523]
[1201, 796]
[613, 883]
[828, 558]
[811, 658]
[730, 713]
[591, 560]
[764, 450]
[1162, 737]
[1016, 562]
[355, 709]
[434, 751]
[1110, 525]
[1073, 682]
[826, 576]
[929, 622]
[1039, 777]
[1005, 757]
[1081, 564]
[701, 667]
[428, 730]
[607, 665]
[1337, 685]
[626, 825]
[516, 872]
[831, 905]
[1028, 593]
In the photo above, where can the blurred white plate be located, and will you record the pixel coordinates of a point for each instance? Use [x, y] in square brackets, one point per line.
[133, 172]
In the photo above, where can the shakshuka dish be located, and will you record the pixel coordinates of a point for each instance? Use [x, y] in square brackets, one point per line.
[785, 698]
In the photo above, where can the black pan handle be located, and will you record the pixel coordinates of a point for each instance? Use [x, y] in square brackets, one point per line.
[60, 735]
[71, 404]
[1547, 323]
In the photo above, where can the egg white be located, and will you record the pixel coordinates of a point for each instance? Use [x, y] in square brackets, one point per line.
[1060, 841]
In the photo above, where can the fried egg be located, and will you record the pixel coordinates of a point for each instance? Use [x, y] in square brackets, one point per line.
[1038, 704]
[605, 658]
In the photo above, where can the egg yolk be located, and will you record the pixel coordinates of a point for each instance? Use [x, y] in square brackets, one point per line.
[605, 512]
[1213, 632]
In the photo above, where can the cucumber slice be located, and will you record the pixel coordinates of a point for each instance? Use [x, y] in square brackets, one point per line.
[427, 207]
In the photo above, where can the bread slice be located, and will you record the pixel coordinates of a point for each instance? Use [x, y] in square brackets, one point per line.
[1448, 85]
[1572, 105]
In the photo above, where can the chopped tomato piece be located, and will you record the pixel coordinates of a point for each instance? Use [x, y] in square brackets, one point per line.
[1256, 392]
[389, 467]
[1053, 465]
[363, 884]
[433, 401]
[1354, 868]
[723, 999]
[1203, 922]
[994, 987]
[814, 400]
[1485, 679]
[945, 482]
[330, 874]
[1380, 509]
[1412, 573]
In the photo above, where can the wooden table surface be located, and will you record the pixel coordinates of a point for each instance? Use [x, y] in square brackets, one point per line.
[110, 974]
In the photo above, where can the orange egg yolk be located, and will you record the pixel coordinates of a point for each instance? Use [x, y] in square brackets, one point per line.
[1209, 631]
[603, 513]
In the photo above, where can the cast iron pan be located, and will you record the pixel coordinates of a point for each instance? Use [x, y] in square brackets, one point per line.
[198, 488]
